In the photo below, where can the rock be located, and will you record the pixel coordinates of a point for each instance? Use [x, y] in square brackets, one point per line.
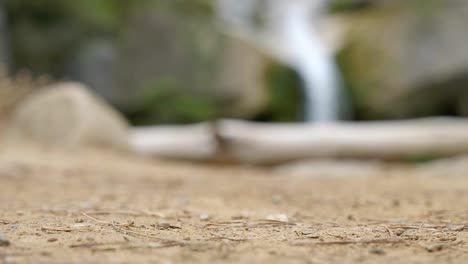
[95, 65]
[435, 247]
[279, 217]
[462, 103]
[377, 251]
[407, 59]
[68, 114]
[241, 80]
[205, 217]
[165, 48]
[3, 241]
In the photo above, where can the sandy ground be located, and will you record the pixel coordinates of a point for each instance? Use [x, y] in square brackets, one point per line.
[84, 206]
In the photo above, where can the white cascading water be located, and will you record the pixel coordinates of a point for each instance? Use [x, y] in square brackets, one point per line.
[289, 31]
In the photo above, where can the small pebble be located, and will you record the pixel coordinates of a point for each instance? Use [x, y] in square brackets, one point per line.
[167, 226]
[276, 199]
[435, 247]
[458, 228]
[3, 241]
[399, 231]
[205, 217]
[239, 217]
[278, 217]
[312, 236]
[52, 239]
[377, 251]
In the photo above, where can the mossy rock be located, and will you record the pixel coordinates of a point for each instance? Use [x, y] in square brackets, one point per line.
[404, 60]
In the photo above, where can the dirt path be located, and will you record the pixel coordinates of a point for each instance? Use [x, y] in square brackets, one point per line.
[95, 207]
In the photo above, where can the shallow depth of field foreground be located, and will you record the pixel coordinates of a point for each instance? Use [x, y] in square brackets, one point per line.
[88, 206]
[234, 131]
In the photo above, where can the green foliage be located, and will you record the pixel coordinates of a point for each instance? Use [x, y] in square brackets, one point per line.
[286, 97]
[347, 5]
[164, 101]
[188, 7]
[421, 159]
[44, 33]
[44, 13]
[197, 7]
[426, 7]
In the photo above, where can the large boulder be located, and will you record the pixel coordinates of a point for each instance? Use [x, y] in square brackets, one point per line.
[68, 114]
[408, 59]
[175, 51]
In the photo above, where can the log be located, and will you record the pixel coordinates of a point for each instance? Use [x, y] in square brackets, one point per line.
[263, 143]
[187, 142]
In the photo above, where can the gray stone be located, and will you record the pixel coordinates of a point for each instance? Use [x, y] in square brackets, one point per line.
[95, 65]
[408, 59]
[68, 114]
[3, 241]
[194, 56]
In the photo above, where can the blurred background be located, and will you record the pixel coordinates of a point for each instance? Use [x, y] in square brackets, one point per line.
[184, 61]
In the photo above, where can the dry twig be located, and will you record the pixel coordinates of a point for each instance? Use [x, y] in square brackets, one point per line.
[218, 236]
[122, 246]
[121, 228]
[348, 242]
[51, 229]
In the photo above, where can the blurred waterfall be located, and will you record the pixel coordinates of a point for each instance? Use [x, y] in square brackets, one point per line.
[289, 31]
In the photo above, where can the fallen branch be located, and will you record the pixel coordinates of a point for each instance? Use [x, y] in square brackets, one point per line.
[51, 229]
[126, 212]
[267, 143]
[190, 142]
[348, 242]
[261, 143]
[218, 236]
[123, 246]
[123, 229]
